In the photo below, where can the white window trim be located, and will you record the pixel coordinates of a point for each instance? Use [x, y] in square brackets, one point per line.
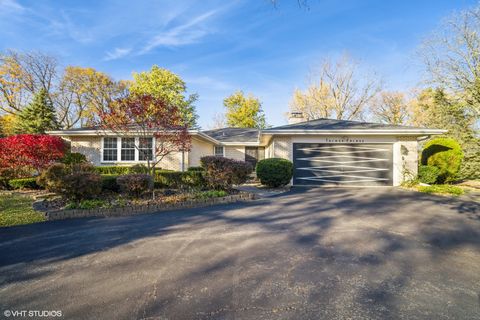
[223, 151]
[119, 151]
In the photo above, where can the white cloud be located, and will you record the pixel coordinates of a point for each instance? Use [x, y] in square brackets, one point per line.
[184, 34]
[117, 53]
[9, 6]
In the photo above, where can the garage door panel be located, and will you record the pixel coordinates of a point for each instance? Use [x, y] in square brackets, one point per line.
[331, 164]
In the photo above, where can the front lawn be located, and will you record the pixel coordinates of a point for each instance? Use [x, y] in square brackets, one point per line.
[17, 209]
[441, 189]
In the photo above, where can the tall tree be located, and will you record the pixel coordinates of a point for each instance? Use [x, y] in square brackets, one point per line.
[84, 91]
[434, 108]
[244, 111]
[338, 89]
[452, 57]
[166, 85]
[390, 107]
[22, 75]
[39, 116]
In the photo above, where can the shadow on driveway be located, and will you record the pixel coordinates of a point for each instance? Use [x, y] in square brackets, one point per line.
[311, 253]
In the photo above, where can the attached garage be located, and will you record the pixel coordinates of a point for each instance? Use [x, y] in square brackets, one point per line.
[318, 164]
[328, 152]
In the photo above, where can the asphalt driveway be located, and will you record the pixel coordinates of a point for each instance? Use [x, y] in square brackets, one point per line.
[309, 254]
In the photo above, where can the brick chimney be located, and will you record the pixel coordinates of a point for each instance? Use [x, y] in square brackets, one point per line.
[296, 117]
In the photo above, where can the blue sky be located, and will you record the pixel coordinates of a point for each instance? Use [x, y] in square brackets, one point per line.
[218, 47]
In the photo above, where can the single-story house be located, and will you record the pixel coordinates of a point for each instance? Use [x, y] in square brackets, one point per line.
[323, 151]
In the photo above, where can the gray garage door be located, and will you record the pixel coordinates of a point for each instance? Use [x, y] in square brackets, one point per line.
[342, 164]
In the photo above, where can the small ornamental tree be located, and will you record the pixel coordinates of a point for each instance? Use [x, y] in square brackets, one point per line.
[146, 116]
[24, 152]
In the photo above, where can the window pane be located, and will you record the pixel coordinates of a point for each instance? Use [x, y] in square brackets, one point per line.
[110, 155]
[128, 154]
[128, 143]
[110, 143]
[110, 149]
[219, 151]
[128, 149]
[145, 154]
[145, 142]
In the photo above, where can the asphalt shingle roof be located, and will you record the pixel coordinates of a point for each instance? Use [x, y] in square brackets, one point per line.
[332, 124]
[234, 134]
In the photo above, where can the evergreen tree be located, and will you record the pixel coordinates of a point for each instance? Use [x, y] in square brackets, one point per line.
[39, 116]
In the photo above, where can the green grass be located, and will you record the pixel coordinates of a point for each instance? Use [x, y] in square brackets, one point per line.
[442, 189]
[16, 209]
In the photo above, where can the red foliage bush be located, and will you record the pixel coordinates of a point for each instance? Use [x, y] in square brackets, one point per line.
[223, 173]
[134, 184]
[30, 151]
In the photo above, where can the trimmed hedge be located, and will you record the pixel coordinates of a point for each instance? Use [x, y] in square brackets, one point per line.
[274, 172]
[178, 180]
[112, 170]
[428, 174]
[445, 154]
[24, 183]
[195, 169]
[123, 170]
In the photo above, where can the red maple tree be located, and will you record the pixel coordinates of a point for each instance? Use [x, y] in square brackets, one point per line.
[24, 152]
[146, 116]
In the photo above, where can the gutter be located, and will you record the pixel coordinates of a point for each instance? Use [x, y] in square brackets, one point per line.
[411, 132]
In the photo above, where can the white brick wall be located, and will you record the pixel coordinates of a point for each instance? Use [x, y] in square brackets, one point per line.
[235, 152]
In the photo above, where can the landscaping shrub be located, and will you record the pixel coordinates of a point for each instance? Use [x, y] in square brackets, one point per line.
[6, 174]
[112, 170]
[195, 169]
[223, 173]
[81, 185]
[193, 179]
[76, 182]
[109, 182]
[445, 154]
[274, 172]
[134, 184]
[52, 178]
[88, 204]
[168, 179]
[122, 170]
[177, 179]
[428, 174]
[24, 183]
[71, 158]
[138, 168]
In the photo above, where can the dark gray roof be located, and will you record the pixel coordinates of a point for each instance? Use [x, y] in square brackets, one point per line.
[332, 124]
[234, 134]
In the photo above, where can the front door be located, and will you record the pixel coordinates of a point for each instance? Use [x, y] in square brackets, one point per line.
[252, 155]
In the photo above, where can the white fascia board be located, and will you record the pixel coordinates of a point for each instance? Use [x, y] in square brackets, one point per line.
[70, 133]
[256, 143]
[397, 132]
